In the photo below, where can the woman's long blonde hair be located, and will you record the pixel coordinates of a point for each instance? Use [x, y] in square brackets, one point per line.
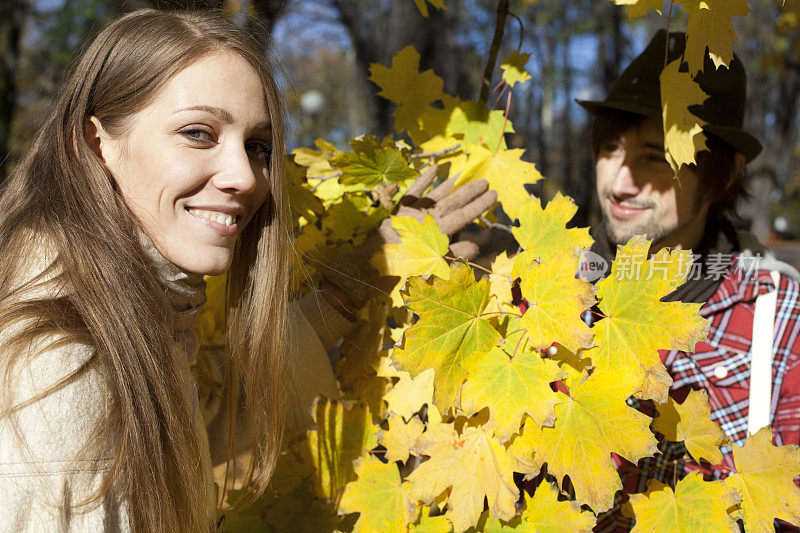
[113, 298]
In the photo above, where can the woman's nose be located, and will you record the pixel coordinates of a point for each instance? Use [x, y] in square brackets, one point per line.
[236, 173]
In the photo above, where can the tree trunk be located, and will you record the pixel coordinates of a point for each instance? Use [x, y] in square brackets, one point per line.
[12, 19]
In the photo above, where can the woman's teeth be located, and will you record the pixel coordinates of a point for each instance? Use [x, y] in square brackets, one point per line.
[216, 216]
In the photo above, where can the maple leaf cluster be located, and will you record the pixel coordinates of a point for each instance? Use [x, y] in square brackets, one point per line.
[709, 27]
[460, 378]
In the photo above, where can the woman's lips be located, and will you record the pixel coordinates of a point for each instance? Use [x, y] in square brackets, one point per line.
[625, 211]
[222, 229]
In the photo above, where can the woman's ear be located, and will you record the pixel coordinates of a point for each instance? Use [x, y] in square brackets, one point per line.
[96, 137]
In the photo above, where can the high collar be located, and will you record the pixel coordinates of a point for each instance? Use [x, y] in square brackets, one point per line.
[185, 291]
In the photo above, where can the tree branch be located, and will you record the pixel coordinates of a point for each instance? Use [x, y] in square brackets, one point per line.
[502, 13]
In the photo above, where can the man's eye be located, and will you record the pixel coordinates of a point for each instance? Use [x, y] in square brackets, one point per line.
[259, 149]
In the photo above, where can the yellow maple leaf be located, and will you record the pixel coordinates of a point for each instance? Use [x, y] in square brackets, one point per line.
[475, 123]
[695, 505]
[764, 480]
[452, 329]
[542, 232]
[400, 437]
[210, 325]
[500, 283]
[419, 254]
[637, 324]
[710, 26]
[506, 173]
[683, 131]
[406, 86]
[455, 159]
[690, 422]
[431, 524]
[593, 421]
[422, 5]
[521, 449]
[514, 69]
[544, 513]
[403, 83]
[556, 299]
[317, 162]
[511, 387]
[409, 394]
[638, 8]
[340, 437]
[474, 465]
[379, 496]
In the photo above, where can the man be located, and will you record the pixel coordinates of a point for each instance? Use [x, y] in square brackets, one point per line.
[733, 275]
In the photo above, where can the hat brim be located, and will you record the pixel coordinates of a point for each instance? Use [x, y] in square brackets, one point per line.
[739, 139]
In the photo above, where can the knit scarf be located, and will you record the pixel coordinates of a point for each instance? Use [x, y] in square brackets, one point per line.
[719, 238]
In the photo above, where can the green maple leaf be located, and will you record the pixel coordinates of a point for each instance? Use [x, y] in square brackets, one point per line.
[451, 330]
[371, 163]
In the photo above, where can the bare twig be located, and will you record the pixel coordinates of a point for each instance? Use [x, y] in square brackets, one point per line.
[669, 21]
[437, 154]
[495, 225]
[502, 13]
[521, 30]
[324, 179]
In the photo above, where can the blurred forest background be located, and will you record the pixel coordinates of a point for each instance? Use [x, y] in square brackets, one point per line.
[324, 48]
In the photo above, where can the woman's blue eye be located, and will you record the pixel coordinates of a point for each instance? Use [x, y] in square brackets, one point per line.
[198, 135]
[259, 149]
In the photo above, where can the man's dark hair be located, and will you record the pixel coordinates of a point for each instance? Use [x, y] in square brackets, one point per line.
[715, 166]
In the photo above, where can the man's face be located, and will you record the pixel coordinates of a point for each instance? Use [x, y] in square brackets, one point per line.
[639, 194]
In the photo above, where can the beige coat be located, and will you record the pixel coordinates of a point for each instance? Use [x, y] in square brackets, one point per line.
[39, 477]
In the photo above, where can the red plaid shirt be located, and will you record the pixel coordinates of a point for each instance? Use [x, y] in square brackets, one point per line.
[721, 366]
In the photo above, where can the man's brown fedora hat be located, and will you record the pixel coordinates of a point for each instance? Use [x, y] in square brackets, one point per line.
[639, 91]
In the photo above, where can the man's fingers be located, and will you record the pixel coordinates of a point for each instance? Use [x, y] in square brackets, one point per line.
[460, 198]
[456, 220]
[464, 249]
[422, 183]
[442, 190]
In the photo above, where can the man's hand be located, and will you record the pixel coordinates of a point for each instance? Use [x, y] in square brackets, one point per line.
[348, 285]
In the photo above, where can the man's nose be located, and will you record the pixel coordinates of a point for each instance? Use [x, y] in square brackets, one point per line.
[624, 183]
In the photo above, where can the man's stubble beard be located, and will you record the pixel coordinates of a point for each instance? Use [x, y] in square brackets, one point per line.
[650, 227]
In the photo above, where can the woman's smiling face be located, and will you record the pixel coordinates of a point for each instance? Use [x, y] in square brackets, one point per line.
[193, 166]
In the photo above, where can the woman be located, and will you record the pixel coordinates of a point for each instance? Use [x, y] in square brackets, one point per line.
[154, 168]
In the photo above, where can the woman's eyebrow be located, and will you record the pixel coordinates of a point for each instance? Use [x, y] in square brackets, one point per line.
[214, 110]
[224, 115]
